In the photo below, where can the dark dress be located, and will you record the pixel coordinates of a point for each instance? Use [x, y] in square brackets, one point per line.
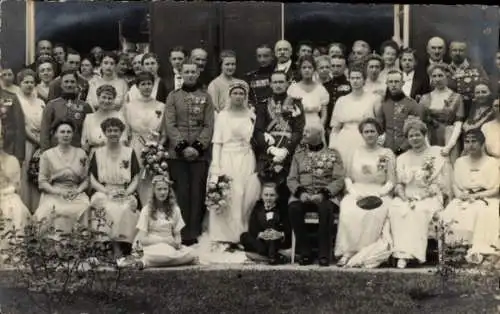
[12, 125]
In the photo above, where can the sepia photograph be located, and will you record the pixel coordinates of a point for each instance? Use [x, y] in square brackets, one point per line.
[249, 157]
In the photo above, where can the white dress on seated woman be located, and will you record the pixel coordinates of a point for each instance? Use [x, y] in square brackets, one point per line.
[13, 212]
[63, 173]
[116, 172]
[410, 221]
[475, 223]
[162, 228]
[369, 175]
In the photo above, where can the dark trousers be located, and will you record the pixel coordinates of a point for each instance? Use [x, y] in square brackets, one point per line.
[326, 210]
[259, 246]
[283, 198]
[190, 180]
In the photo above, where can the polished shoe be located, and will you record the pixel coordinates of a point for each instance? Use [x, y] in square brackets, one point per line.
[324, 262]
[304, 261]
[402, 263]
[278, 260]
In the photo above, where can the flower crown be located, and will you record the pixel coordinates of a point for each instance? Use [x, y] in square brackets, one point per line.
[414, 122]
[161, 178]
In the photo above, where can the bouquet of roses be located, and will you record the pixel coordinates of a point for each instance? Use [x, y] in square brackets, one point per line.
[154, 158]
[218, 194]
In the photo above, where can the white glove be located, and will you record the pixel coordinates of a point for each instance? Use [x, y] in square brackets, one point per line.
[269, 139]
[280, 155]
[272, 150]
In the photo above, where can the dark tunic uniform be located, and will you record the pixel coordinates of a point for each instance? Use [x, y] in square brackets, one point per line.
[394, 113]
[315, 170]
[260, 84]
[189, 122]
[261, 219]
[12, 125]
[336, 87]
[55, 90]
[287, 129]
[61, 109]
[464, 79]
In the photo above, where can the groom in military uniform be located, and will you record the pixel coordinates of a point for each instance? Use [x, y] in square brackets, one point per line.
[278, 130]
[189, 123]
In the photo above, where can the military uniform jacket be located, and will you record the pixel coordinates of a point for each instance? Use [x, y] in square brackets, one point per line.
[393, 117]
[316, 170]
[465, 77]
[12, 124]
[279, 121]
[336, 87]
[189, 121]
[61, 109]
[259, 82]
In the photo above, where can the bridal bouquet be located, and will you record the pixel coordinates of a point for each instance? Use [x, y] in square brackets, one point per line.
[218, 194]
[154, 158]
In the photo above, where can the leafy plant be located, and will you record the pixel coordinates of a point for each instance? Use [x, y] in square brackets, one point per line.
[451, 257]
[61, 265]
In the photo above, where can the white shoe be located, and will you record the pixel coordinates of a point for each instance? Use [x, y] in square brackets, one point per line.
[343, 261]
[402, 263]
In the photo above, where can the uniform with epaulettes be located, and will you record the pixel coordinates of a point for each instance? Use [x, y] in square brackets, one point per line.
[259, 82]
[189, 122]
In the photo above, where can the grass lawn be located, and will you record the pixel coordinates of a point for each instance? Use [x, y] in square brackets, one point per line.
[275, 291]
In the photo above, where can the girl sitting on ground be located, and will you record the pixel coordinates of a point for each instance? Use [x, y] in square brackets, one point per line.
[159, 227]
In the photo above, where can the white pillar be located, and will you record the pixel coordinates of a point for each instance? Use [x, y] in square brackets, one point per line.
[30, 31]
[406, 25]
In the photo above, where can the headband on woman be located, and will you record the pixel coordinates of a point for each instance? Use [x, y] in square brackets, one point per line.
[238, 85]
[161, 178]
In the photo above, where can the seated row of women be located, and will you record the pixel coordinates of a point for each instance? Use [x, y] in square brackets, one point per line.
[415, 188]
[420, 196]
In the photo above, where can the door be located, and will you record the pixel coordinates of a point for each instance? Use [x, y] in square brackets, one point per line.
[190, 25]
[246, 25]
[324, 23]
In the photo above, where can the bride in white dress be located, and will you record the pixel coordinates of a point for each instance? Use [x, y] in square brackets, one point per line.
[232, 156]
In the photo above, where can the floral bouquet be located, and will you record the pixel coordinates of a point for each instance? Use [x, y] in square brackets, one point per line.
[271, 234]
[34, 167]
[154, 158]
[383, 163]
[218, 194]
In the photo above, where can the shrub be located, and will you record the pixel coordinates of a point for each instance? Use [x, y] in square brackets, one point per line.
[59, 265]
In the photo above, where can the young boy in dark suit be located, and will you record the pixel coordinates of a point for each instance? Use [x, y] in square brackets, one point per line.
[265, 231]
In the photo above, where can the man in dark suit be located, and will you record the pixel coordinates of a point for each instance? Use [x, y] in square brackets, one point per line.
[283, 51]
[415, 81]
[43, 48]
[173, 78]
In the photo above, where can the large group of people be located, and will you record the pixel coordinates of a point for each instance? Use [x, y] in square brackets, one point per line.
[377, 148]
